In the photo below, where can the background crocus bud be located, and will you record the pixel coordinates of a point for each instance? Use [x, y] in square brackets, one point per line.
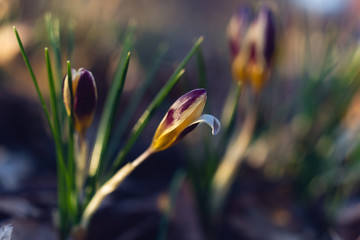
[84, 98]
[237, 28]
[253, 60]
[182, 117]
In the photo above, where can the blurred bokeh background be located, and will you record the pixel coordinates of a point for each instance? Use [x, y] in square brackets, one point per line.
[301, 174]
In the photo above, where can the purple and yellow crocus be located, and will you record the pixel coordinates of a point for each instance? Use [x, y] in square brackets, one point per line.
[84, 98]
[181, 118]
[252, 45]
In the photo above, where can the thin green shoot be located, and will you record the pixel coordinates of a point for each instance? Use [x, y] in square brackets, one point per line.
[110, 107]
[42, 101]
[135, 101]
[107, 121]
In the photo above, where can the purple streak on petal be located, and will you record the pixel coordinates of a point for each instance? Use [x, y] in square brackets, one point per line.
[191, 98]
[169, 117]
[234, 48]
[186, 131]
[183, 103]
[252, 57]
[85, 96]
[269, 34]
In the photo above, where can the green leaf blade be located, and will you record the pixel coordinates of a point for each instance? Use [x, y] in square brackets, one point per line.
[135, 101]
[107, 120]
[144, 119]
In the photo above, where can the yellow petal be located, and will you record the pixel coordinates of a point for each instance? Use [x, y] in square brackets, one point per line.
[181, 114]
[66, 90]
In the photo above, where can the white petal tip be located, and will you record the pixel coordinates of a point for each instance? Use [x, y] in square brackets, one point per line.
[211, 121]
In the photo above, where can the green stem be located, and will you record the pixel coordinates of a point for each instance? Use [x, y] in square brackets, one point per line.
[229, 116]
[73, 196]
[235, 152]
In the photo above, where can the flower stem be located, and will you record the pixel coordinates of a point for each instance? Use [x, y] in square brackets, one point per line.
[234, 155]
[82, 163]
[110, 186]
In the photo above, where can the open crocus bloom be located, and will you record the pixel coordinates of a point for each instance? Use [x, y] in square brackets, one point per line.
[84, 98]
[252, 45]
[182, 117]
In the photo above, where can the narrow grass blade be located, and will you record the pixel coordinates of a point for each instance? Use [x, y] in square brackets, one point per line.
[201, 69]
[202, 80]
[63, 177]
[70, 38]
[53, 98]
[229, 116]
[43, 104]
[107, 120]
[135, 101]
[71, 160]
[61, 171]
[72, 196]
[53, 31]
[144, 119]
[110, 106]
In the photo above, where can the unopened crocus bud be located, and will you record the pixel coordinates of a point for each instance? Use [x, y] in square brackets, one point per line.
[237, 28]
[182, 117]
[256, 48]
[84, 98]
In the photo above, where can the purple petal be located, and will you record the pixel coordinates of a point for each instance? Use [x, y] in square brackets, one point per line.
[182, 104]
[270, 31]
[238, 27]
[85, 96]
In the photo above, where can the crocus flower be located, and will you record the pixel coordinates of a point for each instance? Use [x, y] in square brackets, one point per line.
[84, 98]
[182, 117]
[252, 45]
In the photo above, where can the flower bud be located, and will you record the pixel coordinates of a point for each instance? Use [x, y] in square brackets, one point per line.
[255, 49]
[237, 28]
[182, 117]
[84, 98]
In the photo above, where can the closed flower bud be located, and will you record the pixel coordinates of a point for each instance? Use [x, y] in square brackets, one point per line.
[84, 98]
[182, 117]
[237, 28]
[256, 48]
